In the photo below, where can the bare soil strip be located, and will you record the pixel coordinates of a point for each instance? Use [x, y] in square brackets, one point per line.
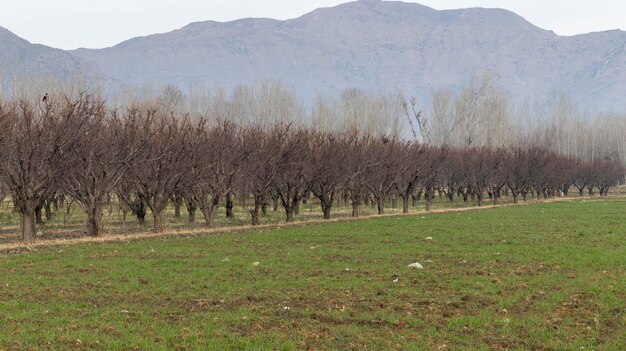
[204, 231]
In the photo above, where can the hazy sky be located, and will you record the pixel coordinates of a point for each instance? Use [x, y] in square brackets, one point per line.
[69, 24]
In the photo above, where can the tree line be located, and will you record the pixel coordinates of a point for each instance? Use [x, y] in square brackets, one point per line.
[149, 155]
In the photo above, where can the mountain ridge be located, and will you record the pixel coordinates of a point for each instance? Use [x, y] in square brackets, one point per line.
[21, 60]
[373, 44]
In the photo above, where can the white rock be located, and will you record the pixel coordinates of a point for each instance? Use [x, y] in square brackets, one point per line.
[416, 265]
[429, 238]
[39, 233]
[256, 264]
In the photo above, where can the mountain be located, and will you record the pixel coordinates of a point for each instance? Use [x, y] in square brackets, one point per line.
[21, 61]
[373, 44]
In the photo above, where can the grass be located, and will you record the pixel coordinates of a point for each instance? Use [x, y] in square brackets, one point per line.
[546, 276]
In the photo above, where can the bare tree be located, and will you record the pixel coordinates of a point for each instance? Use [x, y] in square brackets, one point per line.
[518, 168]
[409, 172]
[609, 174]
[477, 116]
[164, 142]
[328, 153]
[290, 181]
[216, 164]
[431, 167]
[95, 166]
[357, 164]
[583, 177]
[257, 175]
[479, 171]
[384, 173]
[35, 140]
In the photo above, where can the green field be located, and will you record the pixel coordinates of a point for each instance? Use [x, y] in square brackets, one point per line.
[546, 276]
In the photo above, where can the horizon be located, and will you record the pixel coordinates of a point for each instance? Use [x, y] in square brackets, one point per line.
[57, 23]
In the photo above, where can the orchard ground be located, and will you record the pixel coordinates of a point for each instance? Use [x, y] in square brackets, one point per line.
[68, 222]
[546, 276]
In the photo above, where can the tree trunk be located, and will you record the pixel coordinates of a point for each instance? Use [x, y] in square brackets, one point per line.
[290, 213]
[229, 206]
[141, 217]
[28, 226]
[259, 203]
[429, 201]
[355, 208]
[177, 200]
[327, 211]
[48, 210]
[124, 213]
[254, 213]
[192, 214]
[514, 197]
[394, 201]
[38, 219]
[159, 220]
[275, 200]
[139, 209]
[207, 213]
[380, 203]
[61, 201]
[405, 203]
[451, 196]
[191, 210]
[93, 221]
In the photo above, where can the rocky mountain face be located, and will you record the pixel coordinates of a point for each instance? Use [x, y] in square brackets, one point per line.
[26, 63]
[368, 44]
